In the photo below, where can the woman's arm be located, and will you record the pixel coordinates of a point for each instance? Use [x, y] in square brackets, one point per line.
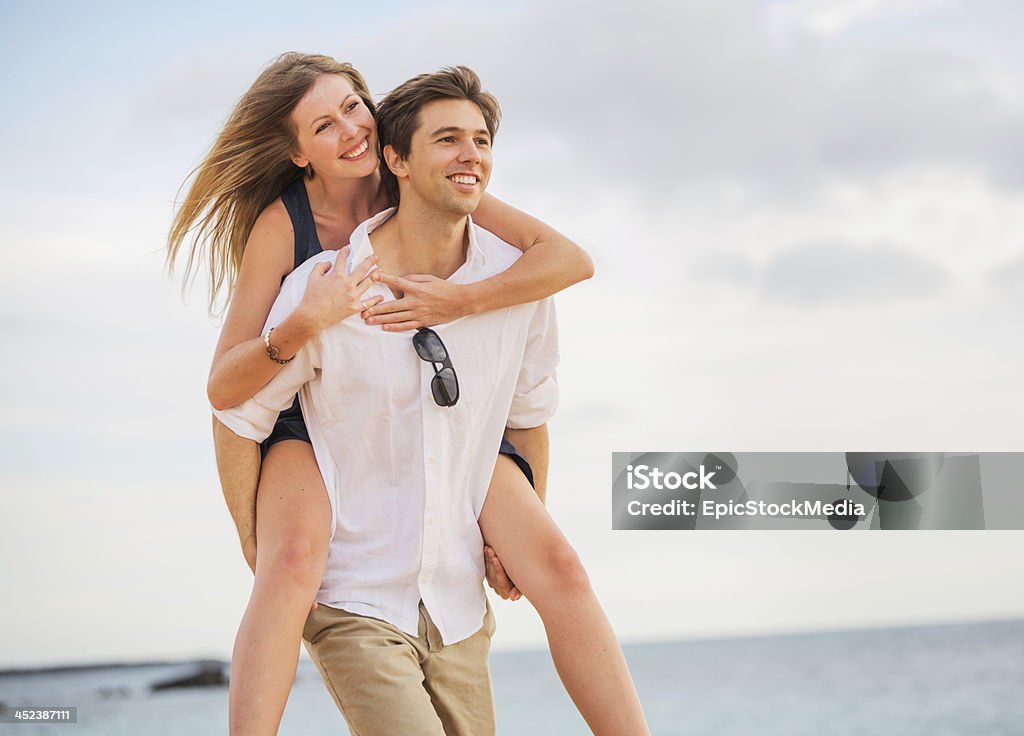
[551, 262]
[241, 366]
[240, 362]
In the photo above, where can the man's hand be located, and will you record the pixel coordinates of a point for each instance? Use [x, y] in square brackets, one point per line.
[426, 301]
[497, 578]
[249, 550]
[238, 464]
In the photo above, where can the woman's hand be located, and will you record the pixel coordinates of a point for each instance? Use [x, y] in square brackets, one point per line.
[425, 301]
[331, 295]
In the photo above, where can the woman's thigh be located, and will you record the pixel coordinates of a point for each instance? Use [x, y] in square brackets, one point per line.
[526, 539]
[292, 508]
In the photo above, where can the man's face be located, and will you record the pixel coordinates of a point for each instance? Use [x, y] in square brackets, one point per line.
[449, 161]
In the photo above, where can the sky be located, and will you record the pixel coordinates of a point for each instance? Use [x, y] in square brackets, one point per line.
[806, 218]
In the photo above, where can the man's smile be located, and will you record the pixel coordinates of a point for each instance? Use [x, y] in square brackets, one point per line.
[464, 181]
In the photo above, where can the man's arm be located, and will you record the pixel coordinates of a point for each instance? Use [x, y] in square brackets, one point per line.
[536, 395]
[238, 465]
[534, 401]
[533, 445]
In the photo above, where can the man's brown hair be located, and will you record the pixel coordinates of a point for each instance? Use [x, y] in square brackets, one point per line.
[398, 114]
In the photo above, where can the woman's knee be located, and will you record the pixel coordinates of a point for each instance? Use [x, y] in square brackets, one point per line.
[291, 561]
[563, 570]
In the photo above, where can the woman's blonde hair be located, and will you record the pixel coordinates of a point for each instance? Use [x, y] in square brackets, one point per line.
[247, 168]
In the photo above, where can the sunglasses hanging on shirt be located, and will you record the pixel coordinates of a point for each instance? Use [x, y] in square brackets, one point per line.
[445, 384]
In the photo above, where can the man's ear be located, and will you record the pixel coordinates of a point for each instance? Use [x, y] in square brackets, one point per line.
[395, 162]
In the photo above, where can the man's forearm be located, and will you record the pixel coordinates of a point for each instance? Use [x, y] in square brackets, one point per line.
[238, 464]
[533, 445]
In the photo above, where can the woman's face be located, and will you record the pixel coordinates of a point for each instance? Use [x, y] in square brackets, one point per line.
[334, 130]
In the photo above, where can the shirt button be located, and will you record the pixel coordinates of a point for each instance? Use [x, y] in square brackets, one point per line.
[425, 579]
[431, 460]
[430, 519]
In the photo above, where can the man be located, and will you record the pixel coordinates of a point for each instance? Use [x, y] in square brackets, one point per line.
[406, 430]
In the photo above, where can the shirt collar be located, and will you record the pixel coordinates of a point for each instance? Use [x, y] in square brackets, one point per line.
[475, 258]
[360, 247]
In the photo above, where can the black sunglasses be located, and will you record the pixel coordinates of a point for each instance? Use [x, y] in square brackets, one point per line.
[445, 384]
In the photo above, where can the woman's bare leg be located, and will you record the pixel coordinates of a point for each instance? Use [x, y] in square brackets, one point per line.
[293, 524]
[549, 573]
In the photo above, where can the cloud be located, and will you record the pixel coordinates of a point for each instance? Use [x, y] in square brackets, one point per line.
[836, 273]
[659, 98]
[840, 273]
[198, 88]
[833, 17]
[662, 96]
[1008, 277]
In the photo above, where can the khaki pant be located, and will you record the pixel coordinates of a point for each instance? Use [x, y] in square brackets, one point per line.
[387, 683]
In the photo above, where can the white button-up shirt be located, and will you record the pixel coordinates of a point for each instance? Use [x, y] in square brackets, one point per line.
[407, 478]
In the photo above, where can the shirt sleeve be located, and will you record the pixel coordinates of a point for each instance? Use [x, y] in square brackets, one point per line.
[536, 396]
[254, 419]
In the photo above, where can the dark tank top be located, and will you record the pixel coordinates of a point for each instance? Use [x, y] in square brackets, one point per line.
[290, 425]
[296, 201]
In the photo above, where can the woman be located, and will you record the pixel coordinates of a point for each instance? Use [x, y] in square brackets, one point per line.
[258, 217]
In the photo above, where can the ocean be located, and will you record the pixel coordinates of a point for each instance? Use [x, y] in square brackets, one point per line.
[957, 680]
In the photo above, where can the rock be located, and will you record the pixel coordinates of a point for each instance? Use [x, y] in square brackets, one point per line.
[199, 674]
